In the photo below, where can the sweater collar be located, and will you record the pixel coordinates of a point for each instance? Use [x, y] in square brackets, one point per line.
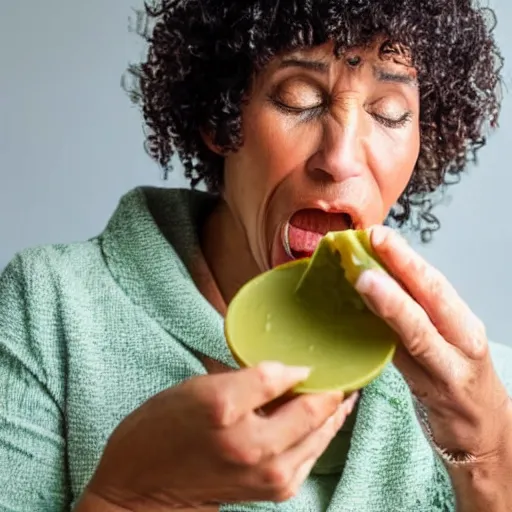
[149, 244]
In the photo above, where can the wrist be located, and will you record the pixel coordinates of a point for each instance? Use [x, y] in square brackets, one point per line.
[481, 485]
[92, 502]
[484, 483]
[478, 435]
[108, 489]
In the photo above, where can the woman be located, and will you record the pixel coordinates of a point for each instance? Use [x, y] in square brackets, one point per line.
[118, 390]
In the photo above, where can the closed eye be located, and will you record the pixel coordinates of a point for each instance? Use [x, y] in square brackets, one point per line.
[393, 122]
[306, 112]
[299, 96]
[296, 109]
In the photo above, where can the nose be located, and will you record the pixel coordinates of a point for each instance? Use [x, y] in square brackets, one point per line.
[341, 153]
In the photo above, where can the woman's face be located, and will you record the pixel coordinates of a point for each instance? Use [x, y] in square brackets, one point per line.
[328, 144]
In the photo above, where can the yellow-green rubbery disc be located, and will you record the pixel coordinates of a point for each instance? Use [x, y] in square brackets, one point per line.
[323, 323]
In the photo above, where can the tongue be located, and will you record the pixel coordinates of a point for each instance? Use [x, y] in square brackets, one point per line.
[307, 227]
[302, 242]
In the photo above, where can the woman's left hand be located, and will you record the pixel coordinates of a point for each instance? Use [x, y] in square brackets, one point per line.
[444, 356]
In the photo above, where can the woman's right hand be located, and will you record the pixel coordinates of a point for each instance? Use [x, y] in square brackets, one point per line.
[207, 442]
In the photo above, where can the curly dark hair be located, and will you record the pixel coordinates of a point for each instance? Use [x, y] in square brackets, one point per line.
[203, 54]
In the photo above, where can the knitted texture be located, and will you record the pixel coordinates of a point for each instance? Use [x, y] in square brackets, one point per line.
[90, 331]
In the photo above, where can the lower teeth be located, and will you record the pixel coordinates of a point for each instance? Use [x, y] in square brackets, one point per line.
[286, 241]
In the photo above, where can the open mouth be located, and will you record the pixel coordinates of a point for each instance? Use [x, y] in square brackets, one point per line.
[303, 232]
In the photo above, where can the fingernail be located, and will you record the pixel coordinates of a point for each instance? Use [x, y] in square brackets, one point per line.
[299, 373]
[352, 401]
[377, 234]
[365, 282]
[276, 369]
[372, 281]
[348, 405]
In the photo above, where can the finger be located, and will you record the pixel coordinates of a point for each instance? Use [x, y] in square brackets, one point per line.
[282, 476]
[406, 317]
[295, 420]
[314, 444]
[450, 314]
[230, 396]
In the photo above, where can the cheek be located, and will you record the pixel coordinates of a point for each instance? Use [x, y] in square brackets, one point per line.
[393, 158]
[274, 148]
[275, 145]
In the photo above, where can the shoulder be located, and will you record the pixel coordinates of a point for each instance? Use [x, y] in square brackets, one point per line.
[39, 284]
[42, 267]
[33, 287]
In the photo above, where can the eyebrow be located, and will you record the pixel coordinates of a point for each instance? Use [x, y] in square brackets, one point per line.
[311, 65]
[321, 67]
[397, 78]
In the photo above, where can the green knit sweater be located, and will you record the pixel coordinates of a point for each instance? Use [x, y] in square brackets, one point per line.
[89, 331]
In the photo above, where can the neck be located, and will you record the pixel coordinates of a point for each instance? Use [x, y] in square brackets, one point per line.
[227, 252]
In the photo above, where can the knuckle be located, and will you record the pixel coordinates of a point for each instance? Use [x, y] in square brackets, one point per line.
[246, 456]
[266, 381]
[433, 281]
[310, 407]
[478, 336]
[316, 408]
[437, 284]
[285, 494]
[417, 345]
[220, 409]
[270, 452]
[411, 266]
[393, 309]
[278, 478]
[239, 453]
[451, 392]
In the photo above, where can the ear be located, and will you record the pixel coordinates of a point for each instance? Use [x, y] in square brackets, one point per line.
[208, 140]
